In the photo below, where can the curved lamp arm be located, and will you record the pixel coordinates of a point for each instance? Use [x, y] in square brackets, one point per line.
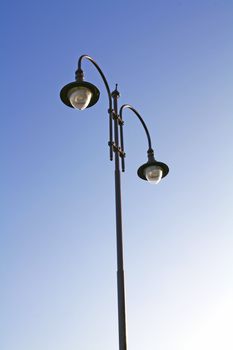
[79, 73]
[141, 120]
[101, 73]
[153, 175]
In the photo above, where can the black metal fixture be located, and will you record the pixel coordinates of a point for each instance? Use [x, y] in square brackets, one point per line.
[80, 94]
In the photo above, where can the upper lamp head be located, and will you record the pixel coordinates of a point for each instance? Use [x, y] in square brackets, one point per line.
[79, 94]
[153, 171]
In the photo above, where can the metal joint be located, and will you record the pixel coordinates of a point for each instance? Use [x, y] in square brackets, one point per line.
[120, 121]
[117, 117]
[114, 115]
[79, 75]
[150, 154]
[118, 150]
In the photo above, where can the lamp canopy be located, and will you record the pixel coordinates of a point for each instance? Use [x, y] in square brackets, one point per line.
[67, 90]
[142, 169]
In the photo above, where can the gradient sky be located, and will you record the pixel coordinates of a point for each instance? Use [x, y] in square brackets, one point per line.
[173, 61]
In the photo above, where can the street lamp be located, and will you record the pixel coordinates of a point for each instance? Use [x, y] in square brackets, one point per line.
[80, 95]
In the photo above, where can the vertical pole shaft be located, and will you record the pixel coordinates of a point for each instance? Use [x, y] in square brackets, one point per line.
[120, 264]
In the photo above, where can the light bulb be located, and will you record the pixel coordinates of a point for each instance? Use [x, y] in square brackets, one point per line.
[153, 174]
[80, 97]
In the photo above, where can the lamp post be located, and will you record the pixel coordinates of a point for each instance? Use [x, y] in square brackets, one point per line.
[80, 95]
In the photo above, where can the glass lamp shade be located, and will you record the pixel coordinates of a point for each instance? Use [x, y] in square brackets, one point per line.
[153, 174]
[153, 171]
[79, 94]
[80, 97]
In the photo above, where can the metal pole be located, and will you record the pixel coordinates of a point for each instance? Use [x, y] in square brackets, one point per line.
[120, 265]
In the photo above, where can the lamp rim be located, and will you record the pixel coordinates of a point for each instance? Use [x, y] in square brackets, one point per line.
[163, 166]
[64, 94]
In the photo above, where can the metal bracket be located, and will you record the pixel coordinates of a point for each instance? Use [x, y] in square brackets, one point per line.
[121, 153]
[116, 116]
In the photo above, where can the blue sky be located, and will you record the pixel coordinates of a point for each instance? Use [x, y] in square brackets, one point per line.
[173, 63]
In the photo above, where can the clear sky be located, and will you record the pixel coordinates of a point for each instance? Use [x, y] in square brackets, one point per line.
[173, 61]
